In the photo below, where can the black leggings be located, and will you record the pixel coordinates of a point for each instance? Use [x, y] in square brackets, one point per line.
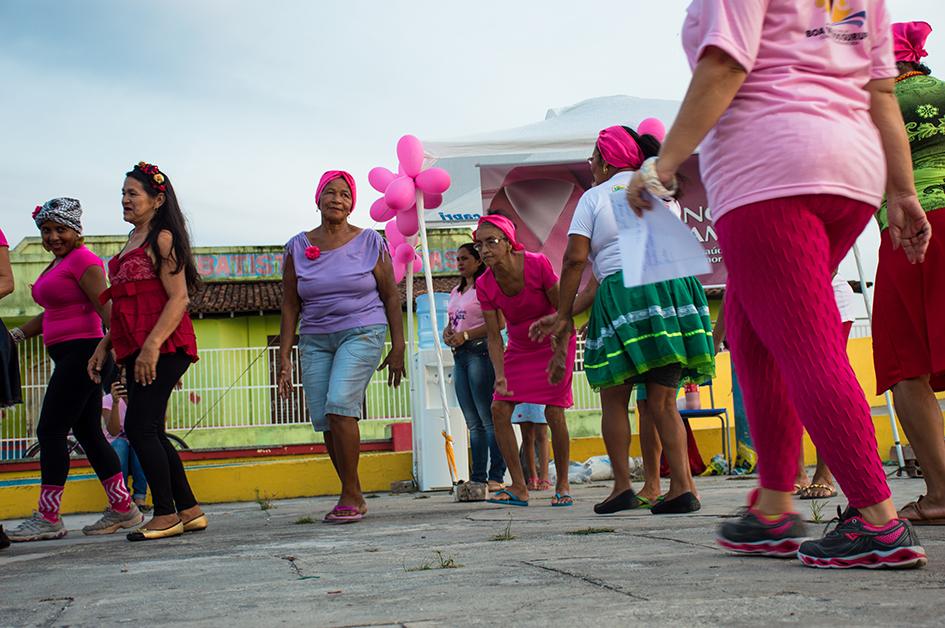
[144, 425]
[73, 402]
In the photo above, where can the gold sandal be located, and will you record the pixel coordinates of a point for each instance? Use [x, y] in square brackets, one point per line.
[144, 534]
[198, 523]
[807, 492]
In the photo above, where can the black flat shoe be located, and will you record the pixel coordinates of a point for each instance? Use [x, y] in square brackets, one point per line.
[627, 500]
[144, 534]
[681, 505]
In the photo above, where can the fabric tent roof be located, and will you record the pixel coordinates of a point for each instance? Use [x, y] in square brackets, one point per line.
[566, 134]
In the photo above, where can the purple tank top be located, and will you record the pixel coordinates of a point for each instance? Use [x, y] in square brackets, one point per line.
[338, 290]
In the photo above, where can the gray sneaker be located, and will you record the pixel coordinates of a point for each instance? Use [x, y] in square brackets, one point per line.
[37, 528]
[113, 521]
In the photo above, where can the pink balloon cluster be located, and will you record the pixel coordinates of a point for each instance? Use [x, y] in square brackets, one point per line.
[399, 203]
[402, 251]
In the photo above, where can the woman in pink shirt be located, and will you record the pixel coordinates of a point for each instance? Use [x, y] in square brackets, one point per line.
[793, 108]
[473, 375]
[71, 324]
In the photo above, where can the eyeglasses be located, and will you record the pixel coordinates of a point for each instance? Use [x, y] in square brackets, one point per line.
[489, 243]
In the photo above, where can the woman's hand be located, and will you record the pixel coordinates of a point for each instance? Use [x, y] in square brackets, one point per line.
[97, 362]
[543, 327]
[146, 364]
[636, 196]
[285, 378]
[502, 387]
[394, 363]
[118, 390]
[909, 226]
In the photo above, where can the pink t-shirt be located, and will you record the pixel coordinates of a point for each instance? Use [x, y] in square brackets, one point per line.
[800, 124]
[464, 310]
[3, 240]
[107, 403]
[67, 312]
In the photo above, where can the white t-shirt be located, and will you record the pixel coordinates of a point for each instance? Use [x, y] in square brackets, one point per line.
[843, 293]
[594, 219]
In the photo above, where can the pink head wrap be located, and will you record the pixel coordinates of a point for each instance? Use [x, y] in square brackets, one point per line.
[620, 150]
[504, 225]
[909, 40]
[330, 176]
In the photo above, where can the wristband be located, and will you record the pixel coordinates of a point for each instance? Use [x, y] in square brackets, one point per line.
[17, 335]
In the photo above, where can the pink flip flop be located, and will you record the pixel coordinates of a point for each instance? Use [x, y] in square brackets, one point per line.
[343, 514]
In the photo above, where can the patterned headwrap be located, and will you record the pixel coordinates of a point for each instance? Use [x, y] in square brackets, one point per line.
[63, 211]
[330, 176]
[909, 40]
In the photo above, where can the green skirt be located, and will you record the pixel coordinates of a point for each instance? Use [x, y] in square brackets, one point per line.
[634, 330]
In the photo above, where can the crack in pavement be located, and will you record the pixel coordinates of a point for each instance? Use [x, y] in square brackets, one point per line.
[66, 603]
[295, 567]
[653, 537]
[588, 579]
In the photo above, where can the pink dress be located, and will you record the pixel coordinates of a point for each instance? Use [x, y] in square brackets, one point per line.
[525, 361]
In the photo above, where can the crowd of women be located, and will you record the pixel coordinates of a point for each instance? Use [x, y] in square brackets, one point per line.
[789, 197]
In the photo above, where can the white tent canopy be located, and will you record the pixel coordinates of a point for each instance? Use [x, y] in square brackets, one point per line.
[566, 134]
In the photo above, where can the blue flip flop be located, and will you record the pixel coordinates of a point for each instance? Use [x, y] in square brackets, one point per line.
[512, 500]
[559, 497]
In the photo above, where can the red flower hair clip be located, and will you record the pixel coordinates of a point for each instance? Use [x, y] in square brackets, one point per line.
[157, 179]
[313, 252]
[38, 209]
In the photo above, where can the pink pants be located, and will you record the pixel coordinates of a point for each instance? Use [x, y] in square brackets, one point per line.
[787, 341]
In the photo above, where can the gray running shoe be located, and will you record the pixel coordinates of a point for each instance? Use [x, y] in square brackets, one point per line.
[37, 528]
[113, 521]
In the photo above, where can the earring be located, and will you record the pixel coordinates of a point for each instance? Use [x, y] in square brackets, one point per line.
[605, 168]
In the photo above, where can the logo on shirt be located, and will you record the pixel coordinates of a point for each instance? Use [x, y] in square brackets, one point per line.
[843, 24]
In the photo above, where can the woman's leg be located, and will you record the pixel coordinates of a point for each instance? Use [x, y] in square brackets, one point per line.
[505, 437]
[561, 443]
[478, 440]
[615, 428]
[528, 454]
[55, 420]
[346, 440]
[652, 450]
[145, 427]
[540, 433]
[139, 482]
[661, 406]
[789, 351]
[921, 418]
[102, 457]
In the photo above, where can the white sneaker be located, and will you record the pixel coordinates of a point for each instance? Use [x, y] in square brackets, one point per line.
[37, 528]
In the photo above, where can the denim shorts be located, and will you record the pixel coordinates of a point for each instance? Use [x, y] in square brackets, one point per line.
[336, 369]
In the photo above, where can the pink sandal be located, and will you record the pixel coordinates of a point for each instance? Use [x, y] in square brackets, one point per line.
[533, 484]
[544, 485]
[343, 514]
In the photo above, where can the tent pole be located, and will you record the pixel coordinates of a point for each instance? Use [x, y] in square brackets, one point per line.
[869, 316]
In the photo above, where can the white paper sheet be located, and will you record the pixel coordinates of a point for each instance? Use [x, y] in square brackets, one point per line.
[657, 246]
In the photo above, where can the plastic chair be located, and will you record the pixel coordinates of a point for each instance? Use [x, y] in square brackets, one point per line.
[712, 412]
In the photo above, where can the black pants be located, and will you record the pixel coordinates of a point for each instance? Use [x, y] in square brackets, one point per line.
[73, 402]
[144, 426]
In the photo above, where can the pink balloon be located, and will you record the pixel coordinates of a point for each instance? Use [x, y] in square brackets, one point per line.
[408, 222]
[652, 126]
[399, 271]
[417, 263]
[432, 201]
[394, 236]
[380, 178]
[380, 212]
[404, 254]
[433, 180]
[401, 193]
[410, 154]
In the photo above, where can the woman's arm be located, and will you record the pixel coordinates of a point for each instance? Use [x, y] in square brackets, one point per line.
[496, 350]
[6, 272]
[908, 225]
[175, 284]
[715, 81]
[291, 308]
[93, 285]
[33, 327]
[390, 297]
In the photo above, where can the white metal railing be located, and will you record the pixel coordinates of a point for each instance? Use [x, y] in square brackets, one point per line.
[228, 389]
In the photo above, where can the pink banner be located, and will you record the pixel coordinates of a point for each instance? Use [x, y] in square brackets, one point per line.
[541, 200]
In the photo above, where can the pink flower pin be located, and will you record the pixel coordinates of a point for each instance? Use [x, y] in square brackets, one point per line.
[313, 252]
[38, 209]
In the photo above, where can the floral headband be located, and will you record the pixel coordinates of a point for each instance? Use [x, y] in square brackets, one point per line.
[157, 179]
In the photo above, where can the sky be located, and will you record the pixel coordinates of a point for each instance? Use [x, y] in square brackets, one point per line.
[245, 103]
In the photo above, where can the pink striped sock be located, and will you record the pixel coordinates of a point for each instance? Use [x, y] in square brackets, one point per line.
[50, 498]
[117, 492]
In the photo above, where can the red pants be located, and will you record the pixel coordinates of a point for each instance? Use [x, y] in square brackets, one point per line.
[787, 340]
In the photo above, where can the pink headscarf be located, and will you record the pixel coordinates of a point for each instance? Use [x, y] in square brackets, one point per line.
[330, 176]
[503, 224]
[620, 150]
[909, 40]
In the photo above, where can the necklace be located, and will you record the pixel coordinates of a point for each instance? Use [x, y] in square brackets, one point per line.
[903, 77]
